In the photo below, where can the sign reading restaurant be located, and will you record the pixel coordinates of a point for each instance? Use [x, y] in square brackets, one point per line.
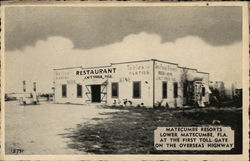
[100, 73]
[95, 71]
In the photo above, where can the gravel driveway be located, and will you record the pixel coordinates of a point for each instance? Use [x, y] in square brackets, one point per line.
[36, 129]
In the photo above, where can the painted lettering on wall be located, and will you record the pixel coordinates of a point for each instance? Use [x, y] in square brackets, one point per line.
[165, 67]
[166, 79]
[124, 79]
[138, 69]
[62, 75]
[96, 71]
[165, 72]
[100, 73]
[98, 76]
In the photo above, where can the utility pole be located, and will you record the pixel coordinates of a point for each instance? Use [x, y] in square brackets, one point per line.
[34, 86]
[24, 86]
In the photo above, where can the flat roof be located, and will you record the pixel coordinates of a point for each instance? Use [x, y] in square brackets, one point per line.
[136, 61]
[83, 67]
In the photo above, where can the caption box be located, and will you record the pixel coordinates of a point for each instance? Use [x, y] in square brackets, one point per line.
[194, 138]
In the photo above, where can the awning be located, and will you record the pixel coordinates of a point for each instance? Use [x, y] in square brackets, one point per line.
[193, 77]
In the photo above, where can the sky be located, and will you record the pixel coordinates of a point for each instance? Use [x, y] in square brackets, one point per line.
[38, 39]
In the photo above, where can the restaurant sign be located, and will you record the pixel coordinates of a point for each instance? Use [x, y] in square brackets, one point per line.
[99, 73]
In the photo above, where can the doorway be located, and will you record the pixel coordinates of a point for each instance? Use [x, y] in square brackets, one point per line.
[96, 93]
[190, 93]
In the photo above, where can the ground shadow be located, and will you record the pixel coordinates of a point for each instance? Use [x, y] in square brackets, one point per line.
[132, 132]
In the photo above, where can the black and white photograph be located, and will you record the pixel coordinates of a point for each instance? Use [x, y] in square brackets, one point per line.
[124, 79]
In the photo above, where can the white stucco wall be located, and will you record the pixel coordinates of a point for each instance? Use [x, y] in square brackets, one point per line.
[170, 74]
[128, 73]
[68, 77]
[125, 74]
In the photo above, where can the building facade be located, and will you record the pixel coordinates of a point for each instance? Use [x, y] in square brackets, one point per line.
[146, 83]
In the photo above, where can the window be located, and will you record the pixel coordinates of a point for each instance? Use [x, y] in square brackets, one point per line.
[164, 90]
[136, 89]
[175, 90]
[79, 90]
[203, 91]
[64, 90]
[185, 89]
[114, 90]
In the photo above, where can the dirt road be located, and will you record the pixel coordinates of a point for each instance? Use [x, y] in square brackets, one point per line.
[37, 129]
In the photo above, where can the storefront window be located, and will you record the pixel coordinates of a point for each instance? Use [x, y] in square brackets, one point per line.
[136, 89]
[164, 90]
[175, 89]
[64, 90]
[79, 90]
[115, 89]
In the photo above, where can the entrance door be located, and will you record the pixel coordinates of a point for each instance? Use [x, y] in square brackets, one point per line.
[96, 93]
[188, 93]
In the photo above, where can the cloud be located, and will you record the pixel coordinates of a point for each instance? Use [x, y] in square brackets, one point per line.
[35, 63]
[91, 27]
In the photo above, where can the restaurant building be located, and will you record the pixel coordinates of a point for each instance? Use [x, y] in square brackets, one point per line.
[146, 83]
